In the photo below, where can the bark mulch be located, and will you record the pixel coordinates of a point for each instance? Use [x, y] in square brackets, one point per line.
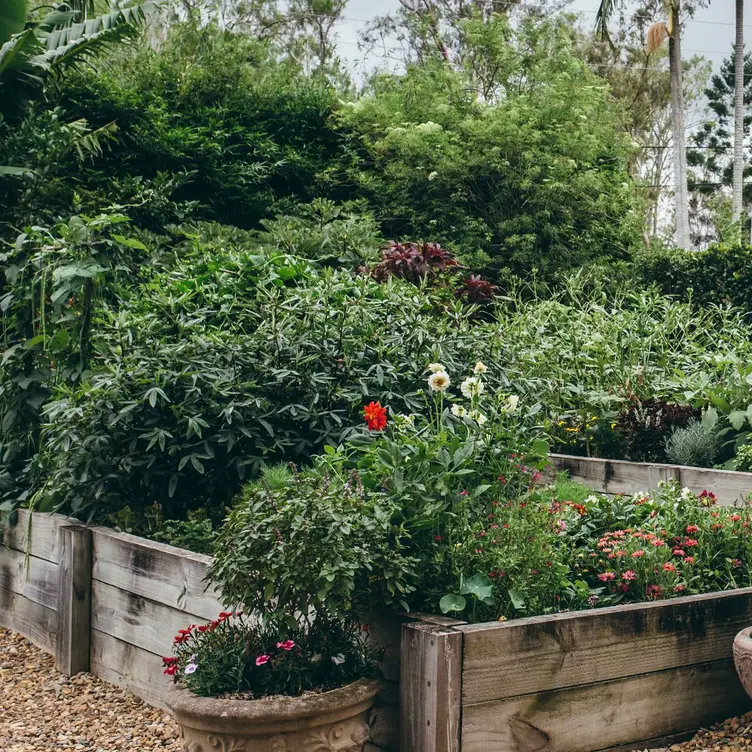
[42, 710]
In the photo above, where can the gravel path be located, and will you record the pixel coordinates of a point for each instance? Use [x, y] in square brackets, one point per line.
[733, 735]
[42, 710]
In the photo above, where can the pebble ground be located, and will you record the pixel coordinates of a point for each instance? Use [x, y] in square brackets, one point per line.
[42, 710]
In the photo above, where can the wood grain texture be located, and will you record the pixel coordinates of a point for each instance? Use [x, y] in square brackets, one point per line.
[32, 620]
[164, 574]
[44, 539]
[74, 599]
[430, 688]
[606, 714]
[129, 666]
[38, 582]
[550, 652]
[617, 476]
[137, 620]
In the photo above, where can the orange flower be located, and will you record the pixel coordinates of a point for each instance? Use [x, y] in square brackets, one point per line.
[375, 416]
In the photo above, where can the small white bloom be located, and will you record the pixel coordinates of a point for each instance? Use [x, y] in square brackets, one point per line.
[471, 387]
[686, 494]
[480, 368]
[433, 175]
[191, 668]
[338, 660]
[435, 367]
[478, 417]
[458, 411]
[591, 500]
[439, 381]
[510, 403]
[316, 658]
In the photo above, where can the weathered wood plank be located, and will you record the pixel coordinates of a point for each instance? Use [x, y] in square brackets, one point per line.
[128, 666]
[38, 584]
[137, 620]
[550, 652]
[606, 714]
[162, 573]
[430, 688]
[74, 599]
[618, 476]
[43, 534]
[33, 620]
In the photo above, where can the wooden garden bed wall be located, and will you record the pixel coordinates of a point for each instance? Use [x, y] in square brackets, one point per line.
[141, 593]
[617, 476]
[617, 678]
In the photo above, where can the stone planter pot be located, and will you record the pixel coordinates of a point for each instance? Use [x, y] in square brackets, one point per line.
[743, 658]
[335, 721]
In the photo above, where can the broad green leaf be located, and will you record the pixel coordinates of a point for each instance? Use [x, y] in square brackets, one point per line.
[518, 601]
[478, 585]
[452, 603]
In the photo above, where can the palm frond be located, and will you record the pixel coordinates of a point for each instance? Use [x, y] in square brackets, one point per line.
[15, 53]
[657, 35]
[603, 15]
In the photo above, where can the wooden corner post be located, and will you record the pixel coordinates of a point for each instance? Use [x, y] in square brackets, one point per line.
[430, 688]
[74, 604]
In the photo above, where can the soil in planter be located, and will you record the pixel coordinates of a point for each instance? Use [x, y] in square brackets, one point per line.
[42, 710]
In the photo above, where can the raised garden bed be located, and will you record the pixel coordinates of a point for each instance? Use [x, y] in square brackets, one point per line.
[610, 678]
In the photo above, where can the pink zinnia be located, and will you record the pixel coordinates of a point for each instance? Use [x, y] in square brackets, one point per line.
[262, 659]
[637, 554]
[286, 645]
[606, 576]
[629, 575]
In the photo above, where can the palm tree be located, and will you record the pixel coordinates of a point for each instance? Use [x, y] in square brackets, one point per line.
[657, 34]
[738, 185]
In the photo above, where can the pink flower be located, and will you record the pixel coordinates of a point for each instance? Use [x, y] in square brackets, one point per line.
[629, 575]
[689, 559]
[736, 563]
[606, 576]
[654, 592]
[287, 645]
[262, 659]
[669, 567]
[657, 542]
[692, 529]
[734, 517]
[689, 543]
[678, 552]
[638, 554]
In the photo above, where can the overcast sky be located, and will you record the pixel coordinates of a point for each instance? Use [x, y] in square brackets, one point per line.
[710, 33]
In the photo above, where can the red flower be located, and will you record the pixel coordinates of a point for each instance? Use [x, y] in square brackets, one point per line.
[655, 592]
[689, 559]
[287, 645]
[171, 670]
[669, 567]
[736, 563]
[375, 416]
[169, 661]
[708, 498]
[734, 517]
[692, 529]
[366, 628]
[262, 659]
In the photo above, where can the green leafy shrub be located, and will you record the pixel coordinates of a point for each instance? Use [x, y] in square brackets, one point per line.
[197, 535]
[719, 275]
[316, 546]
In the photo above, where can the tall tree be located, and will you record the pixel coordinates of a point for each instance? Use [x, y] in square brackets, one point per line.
[739, 114]
[657, 34]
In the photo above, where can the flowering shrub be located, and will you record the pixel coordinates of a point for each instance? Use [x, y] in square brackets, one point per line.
[234, 656]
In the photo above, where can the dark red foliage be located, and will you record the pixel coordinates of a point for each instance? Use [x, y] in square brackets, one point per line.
[475, 289]
[414, 262]
[644, 424]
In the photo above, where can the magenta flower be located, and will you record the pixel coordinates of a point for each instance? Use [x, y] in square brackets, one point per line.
[262, 659]
[286, 645]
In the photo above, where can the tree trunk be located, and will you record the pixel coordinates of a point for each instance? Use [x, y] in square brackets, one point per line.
[739, 115]
[677, 124]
